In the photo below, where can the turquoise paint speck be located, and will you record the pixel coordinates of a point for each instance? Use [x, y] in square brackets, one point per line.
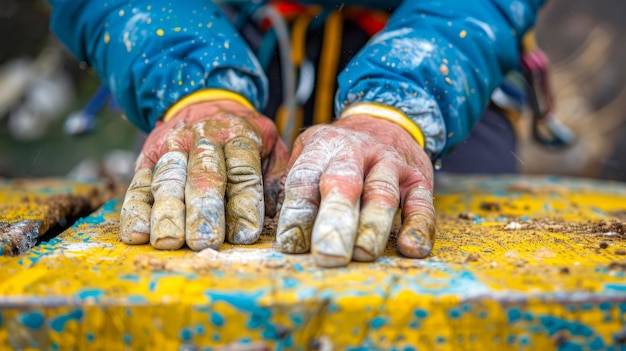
[200, 329]
[523, 340]
[514, 315]
[130, 277]
[482, 314]
[135, 299]
[289, 282]
[185, 334]
[297, 320]
[420, 313]
[54, 346]
[454, 313]
[605, 306]
[215, 337]
[409, 348]
[297, 267]
[0, 319]
[33, 320]
[510, 339]
[441, 340]
[90, 337]
[58, 323]
[378, 322]
[127, 339]
[217, 319]
[615, 287]
[90, 294]
[414, 325]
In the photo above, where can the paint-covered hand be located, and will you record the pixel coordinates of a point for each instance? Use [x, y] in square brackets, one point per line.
[345, 182]
[210, 171]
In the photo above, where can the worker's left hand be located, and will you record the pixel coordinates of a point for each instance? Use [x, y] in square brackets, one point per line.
[345, 182]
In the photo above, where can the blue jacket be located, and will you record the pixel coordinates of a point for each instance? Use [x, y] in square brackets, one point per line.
[436, 60]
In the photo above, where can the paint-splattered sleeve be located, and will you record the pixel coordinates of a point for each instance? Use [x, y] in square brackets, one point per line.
[152, 53]
[438, 62]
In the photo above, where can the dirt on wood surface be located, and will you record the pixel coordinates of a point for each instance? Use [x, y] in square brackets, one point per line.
[30, 208]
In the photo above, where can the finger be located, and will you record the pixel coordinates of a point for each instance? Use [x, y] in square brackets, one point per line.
[302, 199]
[204, 195]
[273, 172]
[417, 234]
[168, 212]
[380, 200]
[136, 209]
[244, 190]
[335, 228]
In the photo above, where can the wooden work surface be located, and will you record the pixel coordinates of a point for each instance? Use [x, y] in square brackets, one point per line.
[519, 263]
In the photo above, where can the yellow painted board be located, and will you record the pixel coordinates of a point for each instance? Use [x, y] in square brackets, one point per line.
[30, 207]
[557, 282]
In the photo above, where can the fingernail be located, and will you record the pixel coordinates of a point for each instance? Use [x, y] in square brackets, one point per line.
[204, 237]
[330, 250]
[167, 235]
[292, 241]
[417, 237]
[243, 232]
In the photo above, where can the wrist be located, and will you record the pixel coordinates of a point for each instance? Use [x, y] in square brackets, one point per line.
[385, 113]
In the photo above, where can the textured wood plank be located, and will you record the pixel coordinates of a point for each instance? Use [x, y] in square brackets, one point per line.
[557, 281]
[29, 208]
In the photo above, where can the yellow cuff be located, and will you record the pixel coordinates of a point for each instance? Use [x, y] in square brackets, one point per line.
[388, 113]
[205, 95]
[529, 41]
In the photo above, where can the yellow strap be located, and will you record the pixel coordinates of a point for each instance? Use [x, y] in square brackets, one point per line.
[205, 95]
[388, 113]
[328, 68]
[298, 38]
[529, 41]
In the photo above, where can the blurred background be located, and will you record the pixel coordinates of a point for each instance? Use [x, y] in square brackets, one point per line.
[47, 99]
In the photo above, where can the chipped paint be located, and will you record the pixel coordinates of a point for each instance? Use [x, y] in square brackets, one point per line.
[507, 297]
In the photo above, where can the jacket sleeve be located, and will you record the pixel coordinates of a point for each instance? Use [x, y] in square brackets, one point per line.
[150, 54]
[438, 62]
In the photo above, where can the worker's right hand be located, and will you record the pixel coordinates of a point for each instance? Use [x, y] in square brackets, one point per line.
[201, 176]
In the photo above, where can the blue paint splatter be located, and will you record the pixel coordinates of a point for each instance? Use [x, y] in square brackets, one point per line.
[378, 322]
[616, 287]
[200, 329]
[90, 337]
[510, 339]
[185, 334]
[58, 323]
[98, 217]
[215, 337]
[90, 294]
[217, 319]
[297, 267]
[54, 345]
[454, 313]
[127, 339]
[414, 325]
[441, 340]
[296, 320]
[605, 306]
[136, 299]
[420, 313]
[130, 277]
[514, 315]
[289, 282]
[33, 320]
[523, 340]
